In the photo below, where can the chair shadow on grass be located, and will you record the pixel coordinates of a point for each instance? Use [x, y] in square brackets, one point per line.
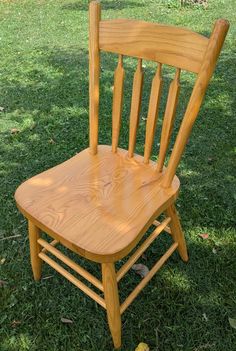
[55, 100]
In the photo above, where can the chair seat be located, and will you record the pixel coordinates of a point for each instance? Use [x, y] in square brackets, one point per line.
[97, 205]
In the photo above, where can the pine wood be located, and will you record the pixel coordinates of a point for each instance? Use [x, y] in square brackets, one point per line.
[94, 69]
[152, 113]
[177, 232]
[148, 277]
[112, 302]
[208, 65]
[135, 106]
[52, 243]
[117, 102]
[97, 205]
[169, 118]
[78, 269]
[101, 202]
[72, 279]
[175, 46]
[166, 229]
[138, 253]
[36, 263]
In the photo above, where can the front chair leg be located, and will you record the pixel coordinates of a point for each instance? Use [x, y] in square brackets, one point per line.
[36, 262]
[112, 302]
[177, 232]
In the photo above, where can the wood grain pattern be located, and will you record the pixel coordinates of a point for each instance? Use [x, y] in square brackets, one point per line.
[135, 106]
[152, 113]
[112, 302]
[208, 65]
[169, 118]
[94, 69]
[36, 262]
[98, 205]
[171, 45]
[117, 102]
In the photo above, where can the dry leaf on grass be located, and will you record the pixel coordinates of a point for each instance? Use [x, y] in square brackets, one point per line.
[66, 321]
[204, 236]
[15, 323]
[14, 130]
[140, 269]
[142, 347]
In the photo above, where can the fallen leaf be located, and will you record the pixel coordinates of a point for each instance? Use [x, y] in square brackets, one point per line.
[204, 236]
[232, 322]
[3, 260]
[140, 269]
[15, 323]
[66, 321]
[14, 130]
[142, 347]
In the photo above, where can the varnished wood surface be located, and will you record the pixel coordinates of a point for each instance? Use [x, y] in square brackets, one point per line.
[152, 113]
[99, 204]
[94, 69]
[169, 118]
[111, 296]
[72, 279]
[117, 102]
[36, 262]
[207, 68]
[135, 107]
[175, 46]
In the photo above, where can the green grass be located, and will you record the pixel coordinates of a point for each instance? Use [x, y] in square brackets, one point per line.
[44, 93]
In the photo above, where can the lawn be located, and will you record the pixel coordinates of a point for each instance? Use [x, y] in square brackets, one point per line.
[44, 121]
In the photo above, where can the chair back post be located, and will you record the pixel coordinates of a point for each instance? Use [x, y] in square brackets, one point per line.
[94, 70]
[209, 61]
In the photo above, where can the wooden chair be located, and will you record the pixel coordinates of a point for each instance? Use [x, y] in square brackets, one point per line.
[101, 202]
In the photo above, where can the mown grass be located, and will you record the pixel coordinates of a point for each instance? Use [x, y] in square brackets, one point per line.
[44, 93]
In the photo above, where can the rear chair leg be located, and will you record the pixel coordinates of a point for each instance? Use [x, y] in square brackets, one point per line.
[177, 232]
[36, 262]
[112, 302]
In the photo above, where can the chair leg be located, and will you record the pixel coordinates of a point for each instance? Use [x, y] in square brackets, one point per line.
[36, 262]
[112, 302]
[177, 232]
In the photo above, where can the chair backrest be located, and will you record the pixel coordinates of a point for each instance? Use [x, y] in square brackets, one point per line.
[174, 46]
